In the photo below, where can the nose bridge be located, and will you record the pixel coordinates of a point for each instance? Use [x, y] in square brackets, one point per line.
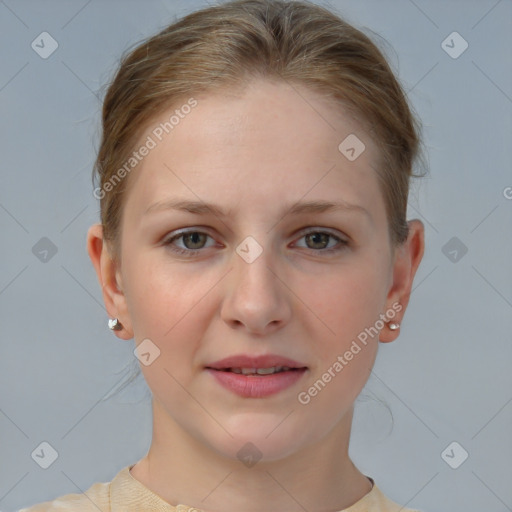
[255, 297]
[251, 266]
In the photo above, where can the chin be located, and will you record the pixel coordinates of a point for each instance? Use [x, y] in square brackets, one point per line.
[260, 437]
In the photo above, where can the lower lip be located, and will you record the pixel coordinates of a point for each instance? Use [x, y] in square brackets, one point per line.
[257, 386]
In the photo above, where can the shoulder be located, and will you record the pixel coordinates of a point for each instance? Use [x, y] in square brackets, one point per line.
[381, 503]
[95, 499]
[377, 501]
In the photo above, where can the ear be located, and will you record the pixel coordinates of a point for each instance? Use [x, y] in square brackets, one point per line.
[406, 262]
[109, 277]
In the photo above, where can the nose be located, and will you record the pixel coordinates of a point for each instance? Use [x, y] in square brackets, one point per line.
[255, 298]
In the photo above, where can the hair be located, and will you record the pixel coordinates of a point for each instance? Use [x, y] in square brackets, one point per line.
[231, 44]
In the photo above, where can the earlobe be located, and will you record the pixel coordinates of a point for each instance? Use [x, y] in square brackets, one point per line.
[407, 260]
[107, 273]
[390, 331]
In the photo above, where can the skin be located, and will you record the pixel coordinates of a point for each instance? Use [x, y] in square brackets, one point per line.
[255, 153]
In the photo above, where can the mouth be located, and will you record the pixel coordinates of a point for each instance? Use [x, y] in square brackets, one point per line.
[268, 363]
[256, 377]
[260, 371]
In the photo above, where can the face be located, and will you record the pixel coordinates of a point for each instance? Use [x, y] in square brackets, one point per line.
[269, 269]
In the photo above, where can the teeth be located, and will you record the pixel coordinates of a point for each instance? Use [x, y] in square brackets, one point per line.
[259, 371]
[268, 371]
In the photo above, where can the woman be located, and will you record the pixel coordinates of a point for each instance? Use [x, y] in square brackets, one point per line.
[254, 172]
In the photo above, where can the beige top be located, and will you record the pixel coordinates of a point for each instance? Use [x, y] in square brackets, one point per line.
[126, 494]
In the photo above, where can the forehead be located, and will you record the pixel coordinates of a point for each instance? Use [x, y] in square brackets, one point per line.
[267, 137]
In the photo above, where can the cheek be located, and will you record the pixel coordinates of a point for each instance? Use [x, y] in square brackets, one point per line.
[345, 341]
[167, 308]
[346, 301]
[159, 294]
[161, 303]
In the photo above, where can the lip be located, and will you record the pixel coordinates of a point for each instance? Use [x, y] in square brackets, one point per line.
[256, 386]
[246, 361]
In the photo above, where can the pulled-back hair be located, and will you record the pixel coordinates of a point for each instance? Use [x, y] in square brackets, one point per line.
[231, 44]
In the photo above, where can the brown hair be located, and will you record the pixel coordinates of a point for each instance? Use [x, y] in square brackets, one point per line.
[234, 42]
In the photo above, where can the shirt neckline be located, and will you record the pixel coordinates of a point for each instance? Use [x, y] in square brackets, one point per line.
[125, 487]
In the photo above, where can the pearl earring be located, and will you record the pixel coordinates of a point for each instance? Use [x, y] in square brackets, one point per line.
[114, 324]
[394, 326]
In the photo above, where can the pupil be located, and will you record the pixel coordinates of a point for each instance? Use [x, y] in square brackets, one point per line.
[194, 238]
[319, 238]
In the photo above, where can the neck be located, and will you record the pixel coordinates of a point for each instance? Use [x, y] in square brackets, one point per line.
[182, 469]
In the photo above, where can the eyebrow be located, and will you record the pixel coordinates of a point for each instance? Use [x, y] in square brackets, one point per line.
[203, 208]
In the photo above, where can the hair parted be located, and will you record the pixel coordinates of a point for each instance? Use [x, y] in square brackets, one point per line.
[230, 44]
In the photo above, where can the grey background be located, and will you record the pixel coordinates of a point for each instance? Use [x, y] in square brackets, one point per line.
[447, 377]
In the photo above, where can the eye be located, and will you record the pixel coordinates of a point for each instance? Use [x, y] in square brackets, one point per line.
[323, 241]
[191, 242]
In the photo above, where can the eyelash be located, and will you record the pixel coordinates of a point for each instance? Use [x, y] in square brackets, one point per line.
[193, 252]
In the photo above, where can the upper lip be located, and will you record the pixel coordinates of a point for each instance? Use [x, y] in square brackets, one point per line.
[246, 361]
